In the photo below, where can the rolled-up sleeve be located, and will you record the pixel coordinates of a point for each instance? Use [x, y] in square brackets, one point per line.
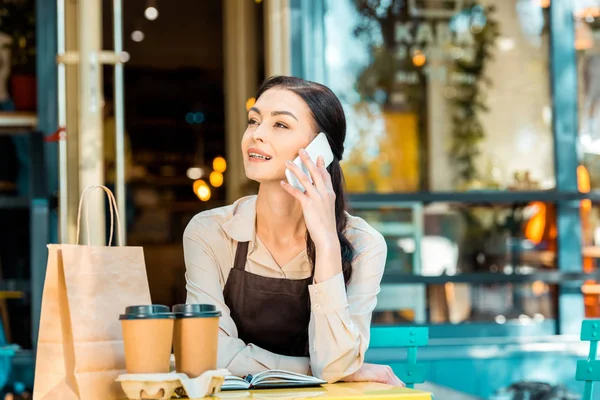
[204, 284]
[340, 321]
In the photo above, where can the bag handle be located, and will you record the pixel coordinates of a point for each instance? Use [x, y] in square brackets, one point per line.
[112, 205]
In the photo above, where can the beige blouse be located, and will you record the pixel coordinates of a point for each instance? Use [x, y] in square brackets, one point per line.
[340, 318]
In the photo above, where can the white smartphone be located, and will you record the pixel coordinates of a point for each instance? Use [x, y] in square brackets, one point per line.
[318, 147]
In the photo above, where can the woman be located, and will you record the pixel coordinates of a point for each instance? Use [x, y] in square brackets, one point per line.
[295, 276]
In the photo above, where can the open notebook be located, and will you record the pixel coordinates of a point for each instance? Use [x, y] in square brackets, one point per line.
[270, 379]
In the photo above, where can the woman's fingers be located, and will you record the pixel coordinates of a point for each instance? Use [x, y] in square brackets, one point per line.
[301, 197]
[324, 173]
[313, 169]
[375, 373]
[397, 382]
[302, 177]
[390, 377]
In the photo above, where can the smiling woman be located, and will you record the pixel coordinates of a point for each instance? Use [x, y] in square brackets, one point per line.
[295, 276]
[276, 107]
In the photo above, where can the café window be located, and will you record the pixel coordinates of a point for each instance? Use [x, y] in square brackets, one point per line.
[446, 97]
[587, 45]
[428, 246]
[442, 95]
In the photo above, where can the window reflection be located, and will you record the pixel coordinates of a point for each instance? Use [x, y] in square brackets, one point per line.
[442, 95]
[458, 238]
[590, 221]
[448, 239]
[587, 45]
[455, 303]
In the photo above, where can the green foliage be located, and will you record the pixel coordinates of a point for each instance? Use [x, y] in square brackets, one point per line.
[470, 102]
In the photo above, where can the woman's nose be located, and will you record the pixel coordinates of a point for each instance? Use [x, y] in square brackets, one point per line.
[259, 133]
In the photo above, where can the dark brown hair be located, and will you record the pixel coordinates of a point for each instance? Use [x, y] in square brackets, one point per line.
[328, 114]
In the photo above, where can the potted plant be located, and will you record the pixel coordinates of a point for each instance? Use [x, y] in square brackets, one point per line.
[17, 19]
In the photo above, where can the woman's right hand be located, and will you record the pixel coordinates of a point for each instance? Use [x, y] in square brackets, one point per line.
[375, 373]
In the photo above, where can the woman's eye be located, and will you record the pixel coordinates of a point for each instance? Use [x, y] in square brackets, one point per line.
[252, 121]
[280, 125]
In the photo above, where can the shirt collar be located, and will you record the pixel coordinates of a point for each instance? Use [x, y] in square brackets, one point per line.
[241, 227]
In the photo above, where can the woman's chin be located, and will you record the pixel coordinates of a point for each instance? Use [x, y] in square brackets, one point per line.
[264, 179]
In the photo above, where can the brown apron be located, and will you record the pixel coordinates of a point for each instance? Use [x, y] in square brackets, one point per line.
[271, 313]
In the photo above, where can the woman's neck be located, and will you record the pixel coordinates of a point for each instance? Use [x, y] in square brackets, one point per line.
[279, 218]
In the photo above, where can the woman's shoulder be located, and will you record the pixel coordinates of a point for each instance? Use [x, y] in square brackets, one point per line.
[362, 235]
[214, 219]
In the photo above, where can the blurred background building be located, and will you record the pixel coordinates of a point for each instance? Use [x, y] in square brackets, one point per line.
[473, 145]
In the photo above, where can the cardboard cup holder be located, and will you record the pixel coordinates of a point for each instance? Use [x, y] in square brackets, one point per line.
[164, 386]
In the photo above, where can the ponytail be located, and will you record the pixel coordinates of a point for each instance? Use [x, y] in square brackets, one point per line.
[341, 218]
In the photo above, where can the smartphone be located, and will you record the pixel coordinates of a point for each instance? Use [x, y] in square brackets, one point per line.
[318, 147]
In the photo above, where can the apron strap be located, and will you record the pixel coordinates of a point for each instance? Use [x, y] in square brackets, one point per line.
[241, 252]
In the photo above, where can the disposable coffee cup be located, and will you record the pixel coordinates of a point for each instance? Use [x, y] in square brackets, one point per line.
[148, 338]
[195, 339]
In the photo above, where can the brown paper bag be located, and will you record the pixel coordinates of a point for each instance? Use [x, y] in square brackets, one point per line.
[80, 349]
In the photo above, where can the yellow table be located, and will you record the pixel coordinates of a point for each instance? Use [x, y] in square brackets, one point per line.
[338, 391]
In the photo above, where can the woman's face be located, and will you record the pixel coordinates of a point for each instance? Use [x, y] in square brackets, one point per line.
[279, 124]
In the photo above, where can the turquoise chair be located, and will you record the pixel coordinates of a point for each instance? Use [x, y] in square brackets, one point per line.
[411, 338]
[588, 371]
[408, 337]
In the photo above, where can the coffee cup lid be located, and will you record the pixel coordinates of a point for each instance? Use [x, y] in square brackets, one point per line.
[152, 311]
[195, 311]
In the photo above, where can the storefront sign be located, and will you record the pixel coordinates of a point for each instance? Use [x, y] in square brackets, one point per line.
[431, 43]
[435, 8]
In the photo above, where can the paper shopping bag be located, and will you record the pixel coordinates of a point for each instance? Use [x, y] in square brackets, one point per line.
[80, 349]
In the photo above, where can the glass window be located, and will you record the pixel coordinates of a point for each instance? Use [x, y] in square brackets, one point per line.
[442, 94]
[456, 238]
[590, 221]
[587, 46]
[526, 303]
[442, 240]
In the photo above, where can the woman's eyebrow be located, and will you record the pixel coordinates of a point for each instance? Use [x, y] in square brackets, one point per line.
[275, 113]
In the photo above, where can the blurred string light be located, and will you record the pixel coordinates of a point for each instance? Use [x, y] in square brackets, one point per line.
[537, 317]
[125, 56]
[137, 36]
[216, 178]
[194, 173]
[419, 58]
[195, 117]
[249, 103]
[544, 3]
[538, 288]
[151, 12]
[505, 43]
[524, 319]
[219, 164]
[204, 193]
[202, 190]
